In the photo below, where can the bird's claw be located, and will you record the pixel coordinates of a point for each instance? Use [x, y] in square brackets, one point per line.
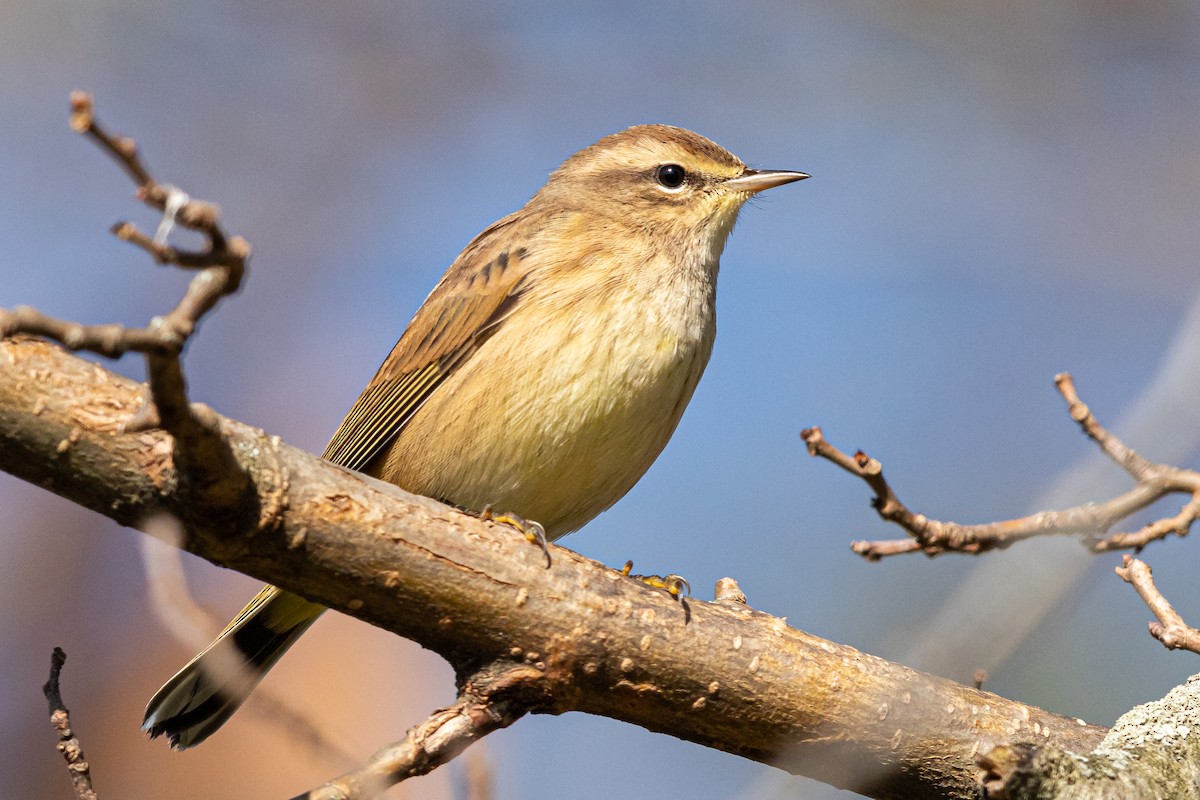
[675, 585]
[532, 531]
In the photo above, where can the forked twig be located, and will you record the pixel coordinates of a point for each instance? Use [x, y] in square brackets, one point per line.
[222, 262]
[1089, 522]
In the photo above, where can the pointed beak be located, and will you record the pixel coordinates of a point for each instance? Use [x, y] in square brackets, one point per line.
[757, 180]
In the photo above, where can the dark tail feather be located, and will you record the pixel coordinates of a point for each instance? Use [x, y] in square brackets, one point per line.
[213, 685]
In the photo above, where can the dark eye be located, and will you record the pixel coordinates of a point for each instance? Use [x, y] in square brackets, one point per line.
[670, 176]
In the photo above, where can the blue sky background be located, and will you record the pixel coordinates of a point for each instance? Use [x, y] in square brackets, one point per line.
[1000, 192]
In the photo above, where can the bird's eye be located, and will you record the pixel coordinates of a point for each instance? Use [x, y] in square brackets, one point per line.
[670, 176]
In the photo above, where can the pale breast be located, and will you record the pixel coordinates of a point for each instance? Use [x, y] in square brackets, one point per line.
[566, 406]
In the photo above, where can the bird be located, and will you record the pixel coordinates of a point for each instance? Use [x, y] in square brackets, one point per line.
[543, 374]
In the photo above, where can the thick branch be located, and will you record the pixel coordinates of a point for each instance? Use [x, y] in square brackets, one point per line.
[731, 678]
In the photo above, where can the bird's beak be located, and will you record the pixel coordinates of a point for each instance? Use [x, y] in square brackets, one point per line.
[757, 180]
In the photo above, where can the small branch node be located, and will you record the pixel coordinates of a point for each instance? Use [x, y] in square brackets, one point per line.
[81, 111]
[728, 591]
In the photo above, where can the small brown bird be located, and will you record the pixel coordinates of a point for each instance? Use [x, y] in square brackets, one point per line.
[543, 375]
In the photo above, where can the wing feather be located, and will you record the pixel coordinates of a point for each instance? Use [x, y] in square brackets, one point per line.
[474, 296]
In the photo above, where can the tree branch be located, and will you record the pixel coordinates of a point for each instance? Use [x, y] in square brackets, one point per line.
[732, 678]
[1089, 522]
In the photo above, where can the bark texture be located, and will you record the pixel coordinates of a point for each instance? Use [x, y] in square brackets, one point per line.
[718, 673]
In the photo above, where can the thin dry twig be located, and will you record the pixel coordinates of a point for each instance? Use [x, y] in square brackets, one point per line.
[68, 743]
[1090, 522]
[1170, 629]
[491, 699]
[222, 262]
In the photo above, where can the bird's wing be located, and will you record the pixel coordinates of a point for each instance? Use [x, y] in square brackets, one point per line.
[475, 295]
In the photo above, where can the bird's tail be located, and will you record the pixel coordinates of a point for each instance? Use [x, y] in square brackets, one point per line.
[206, 692]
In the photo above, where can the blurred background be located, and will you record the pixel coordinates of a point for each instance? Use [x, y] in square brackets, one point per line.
[1000, 192]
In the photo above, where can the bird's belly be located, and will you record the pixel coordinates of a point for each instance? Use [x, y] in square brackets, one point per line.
[562, 431]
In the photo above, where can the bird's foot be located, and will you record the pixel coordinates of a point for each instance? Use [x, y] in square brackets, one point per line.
[532, 531]
[675, 585]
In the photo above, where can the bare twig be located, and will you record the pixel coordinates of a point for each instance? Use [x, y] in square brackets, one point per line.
[68, 743]
[170, 599]
[1170, 629]
[1089, 522]
[197, 215]
[222, 262]
[491, 699]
